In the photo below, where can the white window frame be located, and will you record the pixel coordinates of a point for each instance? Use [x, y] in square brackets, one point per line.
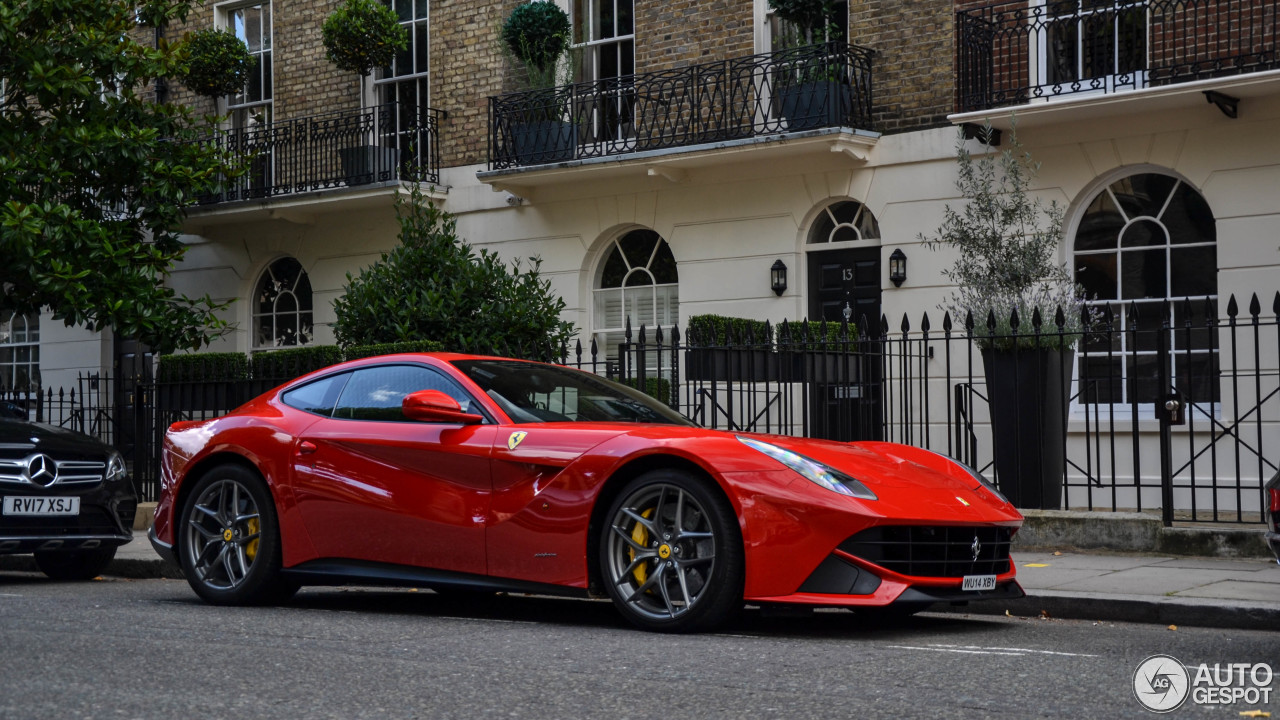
[30, 342]
[306, 331]
[1109, 83]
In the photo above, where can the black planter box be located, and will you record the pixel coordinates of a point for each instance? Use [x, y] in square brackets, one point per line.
[722, 364]
[1028, 391]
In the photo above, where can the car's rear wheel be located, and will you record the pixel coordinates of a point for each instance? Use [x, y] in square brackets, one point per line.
[230, 540]
[671, 553]
[74, 564]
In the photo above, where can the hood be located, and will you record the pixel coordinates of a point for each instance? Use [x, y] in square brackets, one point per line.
[23, 437]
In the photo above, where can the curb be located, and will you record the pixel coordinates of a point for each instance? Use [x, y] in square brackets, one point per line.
[129, 568]
[1134, 533]
[1192, 612]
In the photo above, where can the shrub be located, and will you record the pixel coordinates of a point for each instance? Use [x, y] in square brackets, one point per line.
[537, 34]
[655, 387]
[434, 286]
[293, 362]
[217, 64]
[362, 35]
[717, 330]
[203, 366]
[356, 352]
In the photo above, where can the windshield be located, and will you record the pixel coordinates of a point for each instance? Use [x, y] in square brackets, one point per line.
[533, 392]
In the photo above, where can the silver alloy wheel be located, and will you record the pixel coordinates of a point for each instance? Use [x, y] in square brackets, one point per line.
[222, 535]
[661, 551]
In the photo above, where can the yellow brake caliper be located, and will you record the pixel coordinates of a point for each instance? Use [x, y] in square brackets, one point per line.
[641, 537]
[251, 549]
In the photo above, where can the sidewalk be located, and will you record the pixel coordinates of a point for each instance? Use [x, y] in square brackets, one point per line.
[1127, 584]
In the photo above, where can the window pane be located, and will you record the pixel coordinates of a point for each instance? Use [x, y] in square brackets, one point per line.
[1097, 275]
[1142, 326]
[1143, 194]
[1194, 271]
[376, 393]
[638, 246]
[1143, 233]
[1188, 218]
[638, 278]
[1100, 379]
[317, 397]
[1142, 274]
[1196, 376]
[1100, 225]
[663, 266]
[1142, 385]
[615, 269]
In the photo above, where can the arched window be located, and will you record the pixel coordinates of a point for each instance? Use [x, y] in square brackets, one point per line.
[637, 280]
[842, 221]
[282, 306]
[1143, 240]
[20, 352]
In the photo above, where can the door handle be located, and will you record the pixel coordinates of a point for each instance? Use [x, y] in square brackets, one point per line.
[306, 448]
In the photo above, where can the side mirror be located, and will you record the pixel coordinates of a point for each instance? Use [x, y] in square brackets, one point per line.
[435, 406]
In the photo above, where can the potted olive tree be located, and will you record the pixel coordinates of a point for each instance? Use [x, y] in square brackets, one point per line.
[537, 35]
[359, 36]
[1024, 309]
[812, 82]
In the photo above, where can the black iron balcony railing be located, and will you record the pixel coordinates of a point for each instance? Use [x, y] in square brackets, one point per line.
[345, 148]
[817, 86]
[1017, 52]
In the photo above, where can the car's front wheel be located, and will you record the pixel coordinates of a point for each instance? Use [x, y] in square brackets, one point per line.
[671, 553]
[74, 564]
[230, 540]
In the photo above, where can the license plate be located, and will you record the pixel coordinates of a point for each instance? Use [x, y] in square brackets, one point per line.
[42, 506]
[978, 582]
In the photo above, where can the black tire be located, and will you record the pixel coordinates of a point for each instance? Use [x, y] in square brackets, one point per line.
[74, 564]
[671, 554]
[229, 540]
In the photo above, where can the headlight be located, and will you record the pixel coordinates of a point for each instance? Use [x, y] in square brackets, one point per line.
[978, 476]
[814, 471]
[116, 469]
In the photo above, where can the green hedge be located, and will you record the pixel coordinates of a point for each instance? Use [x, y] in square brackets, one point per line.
[293, 362]
[203, 367]
[716, 330]
[355, 352]
[281, 365]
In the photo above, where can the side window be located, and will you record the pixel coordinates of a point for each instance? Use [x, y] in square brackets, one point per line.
[316, 397]
[376, 393]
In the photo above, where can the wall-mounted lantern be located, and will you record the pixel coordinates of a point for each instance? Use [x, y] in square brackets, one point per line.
[778, 277]
[897, 267]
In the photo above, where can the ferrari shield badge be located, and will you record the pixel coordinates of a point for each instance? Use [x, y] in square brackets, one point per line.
[516, 438]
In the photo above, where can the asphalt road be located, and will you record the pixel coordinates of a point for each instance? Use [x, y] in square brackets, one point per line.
[149, 649]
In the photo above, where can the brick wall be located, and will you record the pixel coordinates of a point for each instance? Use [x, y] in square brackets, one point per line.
[467, 66]
[912, 70]
[676, 33]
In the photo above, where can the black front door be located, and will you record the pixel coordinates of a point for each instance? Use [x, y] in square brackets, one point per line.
[845, 404]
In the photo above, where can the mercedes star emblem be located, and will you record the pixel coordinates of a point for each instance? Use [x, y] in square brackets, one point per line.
[42, 470]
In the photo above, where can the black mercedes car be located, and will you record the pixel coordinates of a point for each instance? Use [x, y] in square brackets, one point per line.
[66, 497]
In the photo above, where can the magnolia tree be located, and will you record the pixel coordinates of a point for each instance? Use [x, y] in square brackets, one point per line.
[95, 175]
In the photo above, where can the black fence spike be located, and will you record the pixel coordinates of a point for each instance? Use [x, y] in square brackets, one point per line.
[1255, 307]
[906, 323]
[1036, 321]
[1060, 318]
[626, 333]
[1186, 312]
[946, 322]
[1014, 321]
[1232, 308]
[991, 321]
[884, 324]
[1211, 312]
[924, 322]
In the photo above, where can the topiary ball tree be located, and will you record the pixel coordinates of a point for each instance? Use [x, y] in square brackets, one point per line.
[361, 35]
[537, 33]
[218, 63]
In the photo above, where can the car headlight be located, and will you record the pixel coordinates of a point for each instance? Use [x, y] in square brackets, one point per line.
[812, 470]
[981, 479]
[116, 469]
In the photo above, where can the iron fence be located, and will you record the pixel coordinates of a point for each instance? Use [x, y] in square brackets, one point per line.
[343, 148]
[816, 86]
[1015, 53]
[1144, 406]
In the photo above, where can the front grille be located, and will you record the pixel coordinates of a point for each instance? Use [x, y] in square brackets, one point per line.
[933, 551]
[71, 473]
